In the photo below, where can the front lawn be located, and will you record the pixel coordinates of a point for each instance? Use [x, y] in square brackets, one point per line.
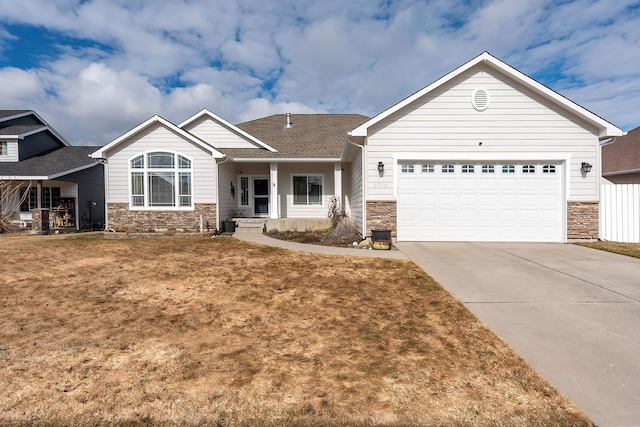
[220, 332]
[629, 249]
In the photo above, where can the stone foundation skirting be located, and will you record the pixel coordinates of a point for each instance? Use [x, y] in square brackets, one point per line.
[583, 220]
[124, 220]
[382, 215]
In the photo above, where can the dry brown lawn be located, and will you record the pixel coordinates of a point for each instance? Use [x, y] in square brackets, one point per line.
[220, 332]
[629, 249]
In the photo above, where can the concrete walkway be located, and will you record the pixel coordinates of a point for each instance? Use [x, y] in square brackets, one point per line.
[254, 237]
[573, 313]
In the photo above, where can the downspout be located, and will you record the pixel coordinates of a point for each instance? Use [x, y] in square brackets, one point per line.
[362, 174]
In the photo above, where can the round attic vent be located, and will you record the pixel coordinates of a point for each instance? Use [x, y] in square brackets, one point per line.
[480, 99]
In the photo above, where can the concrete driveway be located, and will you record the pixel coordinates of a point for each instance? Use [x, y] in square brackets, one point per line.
[571, 312]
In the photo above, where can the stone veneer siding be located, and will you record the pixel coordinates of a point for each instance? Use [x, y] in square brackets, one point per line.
[382, 215]
[122, 219]
[583, 220]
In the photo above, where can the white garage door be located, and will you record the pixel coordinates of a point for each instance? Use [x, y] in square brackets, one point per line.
[488, 201]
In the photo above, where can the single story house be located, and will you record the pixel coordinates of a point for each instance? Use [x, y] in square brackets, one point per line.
[484, 153]
[621, 158]
[46, 182]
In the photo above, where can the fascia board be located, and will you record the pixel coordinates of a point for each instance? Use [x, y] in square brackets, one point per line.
[621, 172]
[70, 171]
[228, 125]
[23, 178]
[287, 160]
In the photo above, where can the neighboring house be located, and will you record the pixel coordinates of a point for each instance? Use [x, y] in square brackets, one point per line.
[59, 179]
[483, 154]
[621, 158]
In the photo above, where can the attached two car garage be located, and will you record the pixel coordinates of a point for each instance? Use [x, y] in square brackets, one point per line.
[506, 201]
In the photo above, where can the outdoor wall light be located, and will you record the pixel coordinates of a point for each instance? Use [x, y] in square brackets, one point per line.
[585, 168]
[380, 168]
[233, 190]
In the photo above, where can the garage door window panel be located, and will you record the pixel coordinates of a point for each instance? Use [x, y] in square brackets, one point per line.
[448, 168]
[488, 168]
[407, 168]
[508, 169]
[549, 169]
[428, 168]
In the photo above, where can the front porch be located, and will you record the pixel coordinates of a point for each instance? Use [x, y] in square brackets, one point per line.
[278, 195]
[259, 225]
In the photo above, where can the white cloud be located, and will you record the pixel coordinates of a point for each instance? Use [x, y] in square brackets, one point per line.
[121, 61]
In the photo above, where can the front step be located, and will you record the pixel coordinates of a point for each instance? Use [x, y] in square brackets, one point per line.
[249, 225]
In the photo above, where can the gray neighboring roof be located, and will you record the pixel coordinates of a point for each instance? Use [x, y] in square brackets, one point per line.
[51, 165]
[622, 154]
[20, 130]
[11, 113]
[311, 136]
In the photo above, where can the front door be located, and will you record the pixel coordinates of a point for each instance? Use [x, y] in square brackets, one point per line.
[260, 196]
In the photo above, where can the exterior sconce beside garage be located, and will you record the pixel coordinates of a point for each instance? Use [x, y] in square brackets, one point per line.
[585, 168]
[380, 169]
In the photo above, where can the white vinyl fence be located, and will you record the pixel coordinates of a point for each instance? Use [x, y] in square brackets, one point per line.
[620, 213]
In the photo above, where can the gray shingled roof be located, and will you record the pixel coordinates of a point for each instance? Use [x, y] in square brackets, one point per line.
[312, 136]
[19, 130]
[9, 113]
[55, 163]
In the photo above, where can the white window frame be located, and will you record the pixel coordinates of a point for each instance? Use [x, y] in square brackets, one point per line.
[488, 168]
[4, 148]
[428, 168]
[146, 172]
[549, 169]
[509, 168]
[293, 190]
[407, 168]
[448, 168]
[468, 168]
[528, 169]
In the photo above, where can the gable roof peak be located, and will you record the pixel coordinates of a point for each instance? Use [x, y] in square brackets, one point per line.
[605, 128]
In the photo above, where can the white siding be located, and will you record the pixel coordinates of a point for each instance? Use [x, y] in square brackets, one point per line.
[12, 152]
[356, 199]
[217, 135]
[516, 121]
[285, 189]
[158, 138]
[228, 173]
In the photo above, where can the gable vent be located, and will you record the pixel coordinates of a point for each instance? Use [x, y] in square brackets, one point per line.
[480, 99]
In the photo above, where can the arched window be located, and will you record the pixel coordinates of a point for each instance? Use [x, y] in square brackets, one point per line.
[161, 180]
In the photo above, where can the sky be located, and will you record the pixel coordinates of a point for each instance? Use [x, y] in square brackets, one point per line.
[94, 69]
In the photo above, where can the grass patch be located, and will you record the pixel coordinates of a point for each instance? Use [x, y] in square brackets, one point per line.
[628, 249]
[223, 332]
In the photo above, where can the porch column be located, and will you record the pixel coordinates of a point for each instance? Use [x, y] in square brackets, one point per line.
[273, 191]
[39, 194]
[337, 182]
